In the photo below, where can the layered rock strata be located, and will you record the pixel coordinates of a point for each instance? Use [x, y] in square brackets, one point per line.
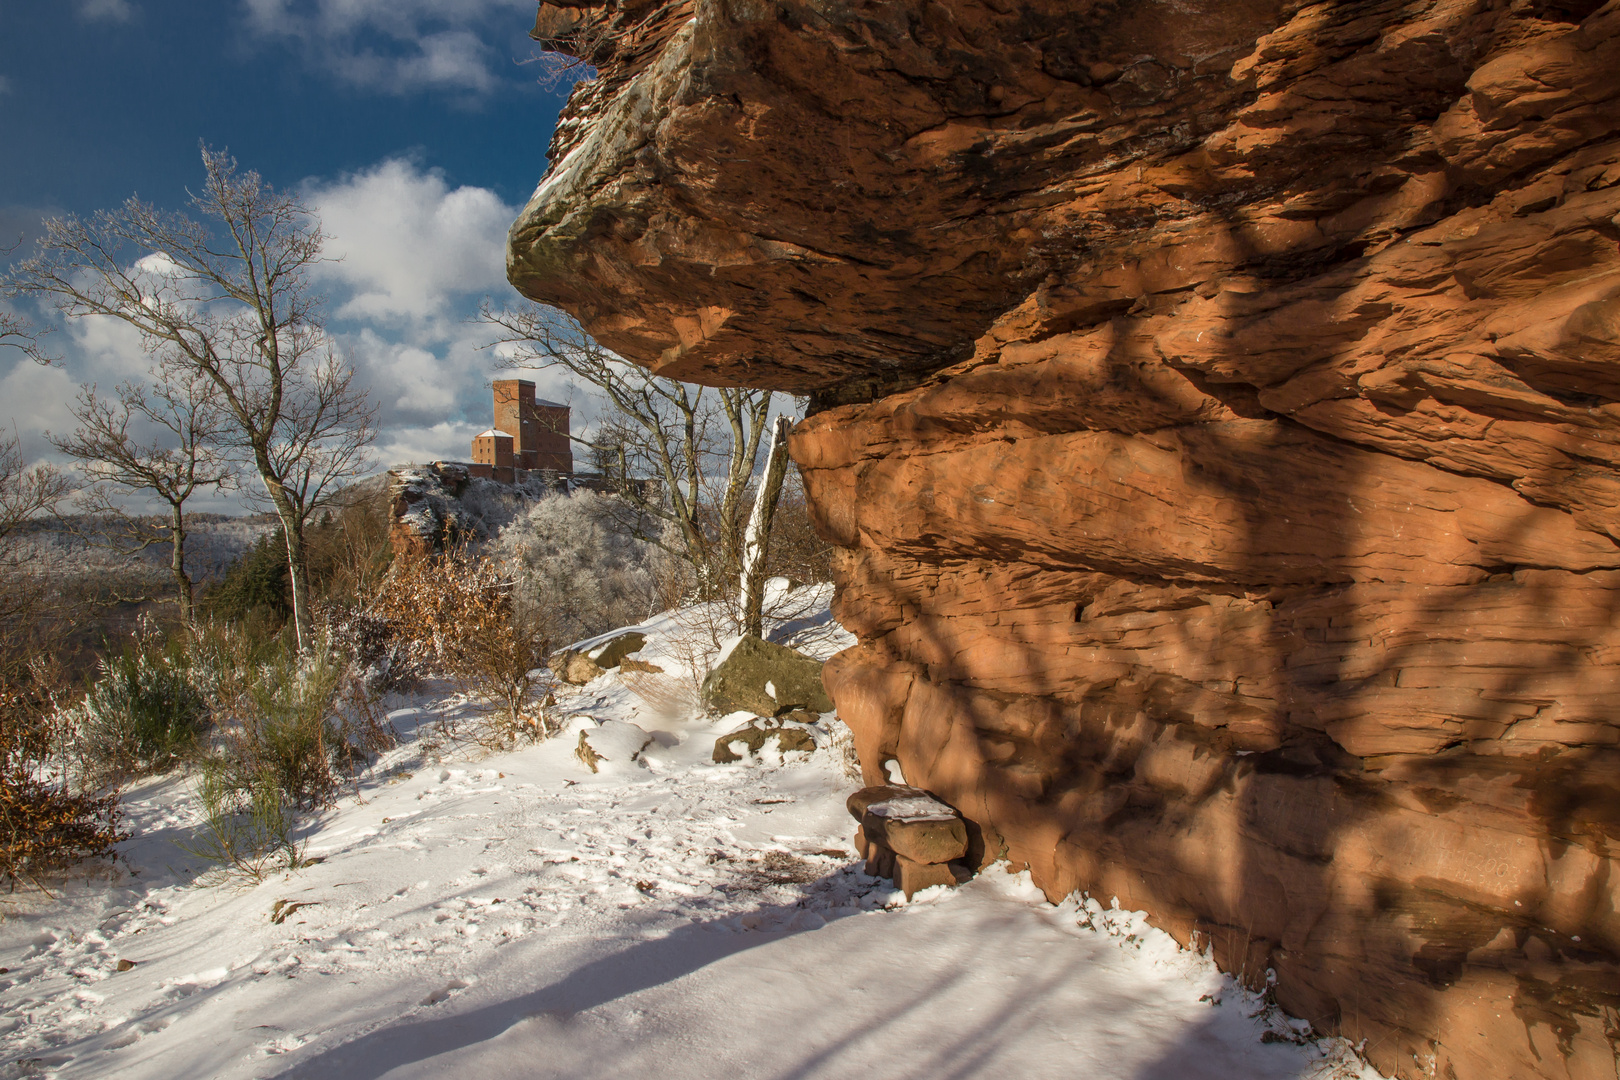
[1217, 409]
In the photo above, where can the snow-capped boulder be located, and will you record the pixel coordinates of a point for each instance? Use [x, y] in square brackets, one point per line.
[613, 746]
[765, 678]
[752, 737]
[579, 664]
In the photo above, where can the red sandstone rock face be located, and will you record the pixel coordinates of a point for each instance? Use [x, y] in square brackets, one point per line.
[1218, 409]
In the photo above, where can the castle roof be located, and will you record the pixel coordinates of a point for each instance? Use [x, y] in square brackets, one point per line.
[497, 432]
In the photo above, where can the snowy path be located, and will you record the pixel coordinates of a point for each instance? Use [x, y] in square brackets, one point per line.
[518, 916]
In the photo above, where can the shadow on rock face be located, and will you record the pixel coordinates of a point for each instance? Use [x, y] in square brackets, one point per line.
[1215, 410]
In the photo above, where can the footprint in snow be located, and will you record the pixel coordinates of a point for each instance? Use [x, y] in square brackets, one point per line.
[186, 985]
[444, 992]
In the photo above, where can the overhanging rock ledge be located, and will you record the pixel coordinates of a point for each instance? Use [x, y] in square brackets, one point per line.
[1217, 411]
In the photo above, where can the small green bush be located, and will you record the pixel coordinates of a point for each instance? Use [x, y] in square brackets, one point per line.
[141, 715]
[282, 722]
[248, 834]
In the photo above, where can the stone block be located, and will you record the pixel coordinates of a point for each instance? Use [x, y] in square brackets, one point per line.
[911, 876]
[879, 860]
[923, 840]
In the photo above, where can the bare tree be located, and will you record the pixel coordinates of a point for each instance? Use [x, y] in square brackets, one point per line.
[29, 612]
[228, 297]
[698, 445]
[182, 406]
[26, 491]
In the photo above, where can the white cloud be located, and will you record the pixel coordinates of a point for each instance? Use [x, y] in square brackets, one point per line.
[407, 381]
[454, 58]
[106, 10]
[447, 440]
[386, 16]
[400, 46]
[417, 255]
[104, 350]
[406, 245]
[48, 391]
[159, 264]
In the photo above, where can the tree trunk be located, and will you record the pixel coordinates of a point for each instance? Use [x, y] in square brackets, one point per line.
[177, 564]
[298, 572]
[758, 541]
[292, 532]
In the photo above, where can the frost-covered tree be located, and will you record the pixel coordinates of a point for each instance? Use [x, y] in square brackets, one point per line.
[571, 557]
[680, 457]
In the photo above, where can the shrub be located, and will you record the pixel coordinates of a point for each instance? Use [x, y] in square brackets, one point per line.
[276, 713]
[286, 729]
[290, 730]
[44, 827]
[224, 661]
[141, 714]
[380, 659]
[455, 614]
[247, 833]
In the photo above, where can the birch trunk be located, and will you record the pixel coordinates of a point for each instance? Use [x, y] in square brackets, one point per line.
[758, 538]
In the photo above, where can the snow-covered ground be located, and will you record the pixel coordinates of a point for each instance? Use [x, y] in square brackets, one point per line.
[213, 543]
[515, 915]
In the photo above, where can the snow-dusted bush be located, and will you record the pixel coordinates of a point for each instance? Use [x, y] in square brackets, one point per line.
[246, 832]
[571, 557]
[141, 714]
[457, 614]
[279, 723]
[380, 659]
[281, 717]
[44, 826]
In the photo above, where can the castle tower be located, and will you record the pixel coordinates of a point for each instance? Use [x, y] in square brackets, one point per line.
[492, 456]
[536, 432]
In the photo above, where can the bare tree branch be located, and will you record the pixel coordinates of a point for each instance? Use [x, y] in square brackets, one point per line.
[699, 444]
[26, 491]
[227, 296]
[184, 455]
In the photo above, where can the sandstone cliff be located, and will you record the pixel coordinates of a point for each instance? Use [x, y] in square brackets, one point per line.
[1217, 407]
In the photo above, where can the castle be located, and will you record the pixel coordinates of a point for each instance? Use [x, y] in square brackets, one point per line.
[529, 434]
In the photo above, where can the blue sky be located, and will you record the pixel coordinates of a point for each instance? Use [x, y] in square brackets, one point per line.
[409, 125]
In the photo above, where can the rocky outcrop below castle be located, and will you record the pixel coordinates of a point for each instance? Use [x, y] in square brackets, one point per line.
[443, 505]
[1217, 410]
